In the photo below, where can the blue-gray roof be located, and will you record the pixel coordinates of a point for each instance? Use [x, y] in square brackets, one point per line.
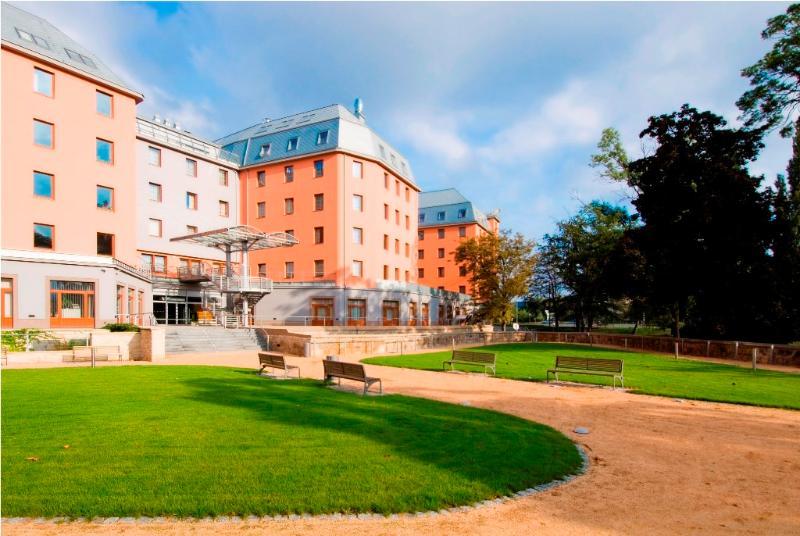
[340, 128]
[36, 35]
[448, 207]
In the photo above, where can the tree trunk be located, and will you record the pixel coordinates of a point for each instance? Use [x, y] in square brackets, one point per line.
[635, 327]
[676, 316]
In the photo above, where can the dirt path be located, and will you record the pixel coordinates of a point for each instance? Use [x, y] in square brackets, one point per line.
[659, 466]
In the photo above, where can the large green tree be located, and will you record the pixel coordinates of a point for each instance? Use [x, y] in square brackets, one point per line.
[706, 232]
[500, 267]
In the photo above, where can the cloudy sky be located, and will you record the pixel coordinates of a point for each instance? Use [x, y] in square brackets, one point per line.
[506, 102]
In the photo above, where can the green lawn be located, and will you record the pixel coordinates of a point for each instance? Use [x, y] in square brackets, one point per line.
[198, 441]
[644, 373]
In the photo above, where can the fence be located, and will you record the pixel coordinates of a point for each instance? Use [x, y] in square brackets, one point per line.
[771, 354]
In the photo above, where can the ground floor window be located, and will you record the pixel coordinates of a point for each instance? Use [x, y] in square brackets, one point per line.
[391, 313]
[71, 304]
[412, 313]
[356, 312]
[322, 311]
[426, 315]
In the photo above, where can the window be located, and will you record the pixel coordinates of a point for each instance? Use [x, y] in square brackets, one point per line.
[319, 268]
[261, 209]
[104, 103]
[397, 246]
[224, 209]
[397, 187]
[159, 264]
[397, 217]
[383, 151]
[105, 197]
[393, 159]
[462, 213]
[289, 232]
[105, 244]
[462, 271]
[440, 271]
[397, 274]
[358, 268]
[386, 242]
[292, 145]
[358, 235]
[440, 253]
[105, 151]
[191, 167]
[319, 201]
[356, 311]
[407, 276]
[358, 169]
[146, 261]
[262, 178]
[154, 191]
[319, 168]
[408, 221]
[154, 227]
[386, 180]
[420, 254]
[191, 229]
[76, 56]
[265, 150]
[322, 137]
[262, 270]
[440, 306]
[42, 82]
[288, 270]
[319, 235]
[462, 231]
[288, 173]
[386, 211]
[440, 233]
[191, 201]
[358, 203]
[386, 271]
[223, 177]
[43, 236]
[27, 36]
[422, 217]
[420, 235]
[420, 272]
[462, 289]
[408, 194]
[154, 156]
[42, 133]
[288, 205]
[43, 185]
[440, 216]
[407, 249]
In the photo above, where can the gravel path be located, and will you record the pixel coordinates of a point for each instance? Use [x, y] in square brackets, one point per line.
[658, 466]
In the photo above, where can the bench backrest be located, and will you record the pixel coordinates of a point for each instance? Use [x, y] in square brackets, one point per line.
[474, 357]
[82, 351]
[103, 350]
[341, 369]
[589, 363]
[271, 359]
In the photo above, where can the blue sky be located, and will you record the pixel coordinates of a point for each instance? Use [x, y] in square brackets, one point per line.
[506, 102]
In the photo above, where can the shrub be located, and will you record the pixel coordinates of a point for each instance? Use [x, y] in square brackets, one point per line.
[16, 339]
[121, 326]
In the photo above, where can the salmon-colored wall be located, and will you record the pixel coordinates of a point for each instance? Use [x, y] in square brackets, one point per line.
[431, 262]
[72, 160]
[337, 218]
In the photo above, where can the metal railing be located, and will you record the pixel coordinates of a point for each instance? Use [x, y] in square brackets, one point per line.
[139, 319]
[347, 322]
[239, 283]
[183, 141]
[132, 270]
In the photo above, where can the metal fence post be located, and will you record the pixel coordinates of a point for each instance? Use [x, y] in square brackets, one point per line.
[736, 350]
[93, 357]
[755, 358]
[676, 349]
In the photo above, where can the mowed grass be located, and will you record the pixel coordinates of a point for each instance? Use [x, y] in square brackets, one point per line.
[644, 373]
[200, 441]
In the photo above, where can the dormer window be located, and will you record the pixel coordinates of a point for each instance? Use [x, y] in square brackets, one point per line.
[440, 216]
[77, 56]
[322, 137]
[422, 217]
[265, 150]
[292, 145]
[31, 38]
[462, 213]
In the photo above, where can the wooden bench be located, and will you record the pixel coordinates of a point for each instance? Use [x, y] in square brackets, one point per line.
[4, 358]
[101, 353]
[588, 365]
[349, 371]
[276, 361]
[487, 360]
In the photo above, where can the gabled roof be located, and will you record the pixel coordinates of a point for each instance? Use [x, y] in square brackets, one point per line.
[448, 207]
[38, 36]
[323, 129]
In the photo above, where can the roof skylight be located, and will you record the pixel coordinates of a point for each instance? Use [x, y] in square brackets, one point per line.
[77, 56]
[32, 38]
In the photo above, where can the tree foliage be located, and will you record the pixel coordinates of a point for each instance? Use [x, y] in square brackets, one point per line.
[500, 268]
[611, 158]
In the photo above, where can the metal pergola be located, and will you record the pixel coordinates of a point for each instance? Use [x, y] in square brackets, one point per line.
[239, 239]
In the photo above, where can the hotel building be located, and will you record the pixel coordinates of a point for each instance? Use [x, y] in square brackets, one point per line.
[446, 218]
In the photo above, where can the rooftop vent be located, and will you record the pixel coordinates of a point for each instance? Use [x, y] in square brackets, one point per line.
[358, 107]
[156, 118]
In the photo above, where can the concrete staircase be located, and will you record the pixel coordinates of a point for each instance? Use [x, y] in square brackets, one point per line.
[204, 339]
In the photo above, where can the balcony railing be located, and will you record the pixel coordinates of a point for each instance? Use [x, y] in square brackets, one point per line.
[196, 273]
[239, 283]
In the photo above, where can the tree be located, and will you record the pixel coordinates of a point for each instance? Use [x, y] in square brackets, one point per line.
[706, 231]
[612, 160]
[774, 95]
[500, 267]
[547, 284]
[581, 253]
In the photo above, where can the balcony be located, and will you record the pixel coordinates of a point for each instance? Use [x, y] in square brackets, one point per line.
[243, 284]
[196, 273]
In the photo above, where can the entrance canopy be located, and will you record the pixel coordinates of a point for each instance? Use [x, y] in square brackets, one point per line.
[239, 238]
